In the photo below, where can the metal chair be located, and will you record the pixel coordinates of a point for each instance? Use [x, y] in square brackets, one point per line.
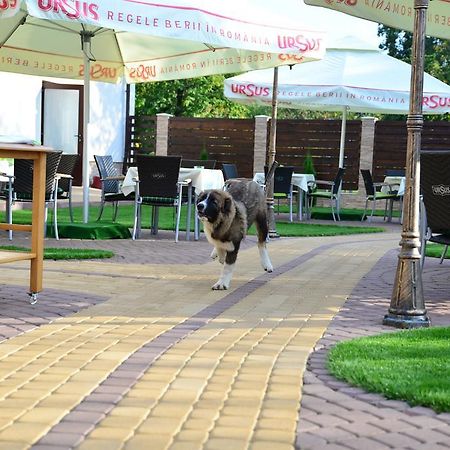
[110, 179]
[373, 195]
[64, 178]
[157, 186]
[435, 190]
[333, 192]
[20, 187]
[282, 186]
[229, 171]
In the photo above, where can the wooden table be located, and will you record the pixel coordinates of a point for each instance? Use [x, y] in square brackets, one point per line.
[39, 155]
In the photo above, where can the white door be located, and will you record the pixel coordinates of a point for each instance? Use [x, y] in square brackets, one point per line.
[61, 119]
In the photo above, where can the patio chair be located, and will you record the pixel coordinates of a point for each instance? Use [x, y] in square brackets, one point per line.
[157, 187]
[110, 179]
[282, 187]
[64, 177]
[333, 192]
[435, 190]
[20, 187]
[229, 171]
[372, 195]
[207, 163]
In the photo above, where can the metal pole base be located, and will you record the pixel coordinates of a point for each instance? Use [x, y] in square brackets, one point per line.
[406, 321]
[407, 308]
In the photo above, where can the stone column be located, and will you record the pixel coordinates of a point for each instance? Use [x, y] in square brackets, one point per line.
[365, 161]
[162, 133]
[260, 143]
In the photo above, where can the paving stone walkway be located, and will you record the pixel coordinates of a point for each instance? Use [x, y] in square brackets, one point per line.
[138, 352]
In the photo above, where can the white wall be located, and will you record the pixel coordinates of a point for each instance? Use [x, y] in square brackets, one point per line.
[20, 112]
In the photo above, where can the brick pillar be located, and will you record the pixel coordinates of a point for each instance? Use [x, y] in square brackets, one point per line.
[162, 133]
[260, 143]
[366, 157]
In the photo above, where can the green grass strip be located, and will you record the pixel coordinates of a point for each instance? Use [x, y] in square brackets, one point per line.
[65, 253]
[411, 365]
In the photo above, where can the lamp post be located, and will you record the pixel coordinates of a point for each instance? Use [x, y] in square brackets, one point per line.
[271, 159]
[407, 308]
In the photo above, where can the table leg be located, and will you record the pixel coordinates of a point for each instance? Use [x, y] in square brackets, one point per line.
[188, 218]
[37, 231]
[300, 204]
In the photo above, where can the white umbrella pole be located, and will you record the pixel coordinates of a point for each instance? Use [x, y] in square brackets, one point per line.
[343, 131]
[272, 154]
[87, 69]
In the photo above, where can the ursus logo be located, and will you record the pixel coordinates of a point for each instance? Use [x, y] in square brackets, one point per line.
[73, 9]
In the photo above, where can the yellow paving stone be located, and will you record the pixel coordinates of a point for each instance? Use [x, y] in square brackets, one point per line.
[277, 424]
[100, 444]
[173, 410]
[180, 395]
[43, 415]
[128, 411]
[23, 432]
[274, 436]
[243, 411]
[141, 441]
[270, 445]
[10, 445]
[205, 413]
[199, 424]
[240, 433]
[223, 443]
[63, 401]
[138, 402]
[117, 433]
[188, 444]
[160, 425]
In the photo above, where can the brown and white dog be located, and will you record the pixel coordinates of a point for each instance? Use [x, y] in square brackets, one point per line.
[226, 216]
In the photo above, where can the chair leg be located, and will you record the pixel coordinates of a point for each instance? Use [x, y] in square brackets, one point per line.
[177, 224]
[290, 206]
[9, 206]
[55, 218]
[374, 202]
[365, 209]
[70, 201]
[332, 209]
[115, 210]
[196, 219]
[137, 215]
[102, 205]
[444, 252]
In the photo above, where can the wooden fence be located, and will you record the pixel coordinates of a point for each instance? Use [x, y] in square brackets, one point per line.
[389, 151]
[232, 140]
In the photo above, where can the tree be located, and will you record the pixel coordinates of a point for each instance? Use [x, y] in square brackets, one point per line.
[437, 56]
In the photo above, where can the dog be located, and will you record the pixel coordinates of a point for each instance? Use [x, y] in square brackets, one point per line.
[226, 216]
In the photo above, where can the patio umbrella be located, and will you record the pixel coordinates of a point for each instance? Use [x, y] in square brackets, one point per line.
[148, 41]
[407, 309]
[353, 76]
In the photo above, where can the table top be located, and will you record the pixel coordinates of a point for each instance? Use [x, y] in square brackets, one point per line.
[298, 179]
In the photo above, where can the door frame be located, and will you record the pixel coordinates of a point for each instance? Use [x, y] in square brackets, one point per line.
[78, 175]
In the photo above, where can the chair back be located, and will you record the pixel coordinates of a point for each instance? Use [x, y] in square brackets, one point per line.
[229, 171]
[23, 172]
[435, 188]
[282, 179]
[368, 182]
[106, 168]
[206, 163]
[66, 166]
[158, 175]
[338, 180]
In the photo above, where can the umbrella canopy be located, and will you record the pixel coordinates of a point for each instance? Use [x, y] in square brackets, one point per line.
[171, 39]
[151, 42]
[353, 76]
[398, 14]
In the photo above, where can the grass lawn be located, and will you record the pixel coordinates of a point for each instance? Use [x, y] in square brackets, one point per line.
[65, 253]
[167, 220]
[411, 365]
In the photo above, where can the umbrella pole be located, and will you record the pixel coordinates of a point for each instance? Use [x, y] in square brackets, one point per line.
[343, 131]
[271, 159]
[85, 176]
[407, 308]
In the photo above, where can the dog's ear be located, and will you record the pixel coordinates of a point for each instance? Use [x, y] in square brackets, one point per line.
[226, 208]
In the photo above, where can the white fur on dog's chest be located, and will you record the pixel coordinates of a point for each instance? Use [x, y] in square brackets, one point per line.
[227, 245]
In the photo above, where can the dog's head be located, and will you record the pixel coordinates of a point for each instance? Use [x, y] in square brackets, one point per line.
[213, 204]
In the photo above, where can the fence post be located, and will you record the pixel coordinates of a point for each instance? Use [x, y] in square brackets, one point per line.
[365, 157]
[162, 133]
[260, 143]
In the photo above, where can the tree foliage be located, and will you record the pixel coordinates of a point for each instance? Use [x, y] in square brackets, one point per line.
[437, 56]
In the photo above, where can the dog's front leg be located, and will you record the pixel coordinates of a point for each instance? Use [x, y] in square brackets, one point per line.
[227, 271]
[264, 257]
